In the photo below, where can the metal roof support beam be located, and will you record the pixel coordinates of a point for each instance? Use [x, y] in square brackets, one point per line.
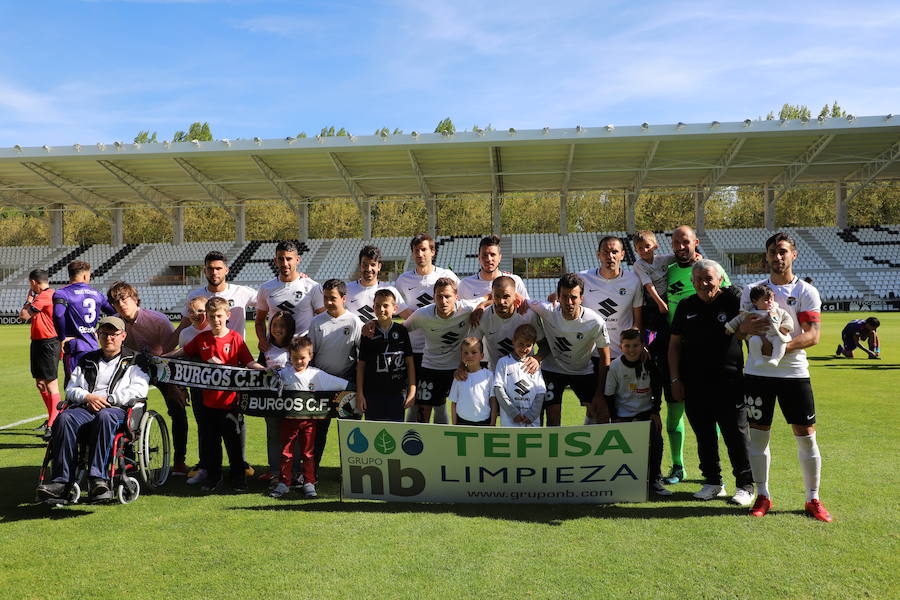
[240, 223]
[298, 203]
[118, 227]
[641, 175]
[57, 225]
[769, 205]
[787, 178]
[564, 194]
[427, 196]
[11, 196]
[149, 194]
[709, 183]
[359, 197]
[840, 203]
[178, 225]
[869, 171]
[215, 191]
[496, 189]
[72, 189]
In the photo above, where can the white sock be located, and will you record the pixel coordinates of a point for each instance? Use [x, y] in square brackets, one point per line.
[810, 463]
[440, 414]
[760, 459]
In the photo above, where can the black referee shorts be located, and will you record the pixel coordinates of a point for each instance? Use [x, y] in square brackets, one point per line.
[45, 359]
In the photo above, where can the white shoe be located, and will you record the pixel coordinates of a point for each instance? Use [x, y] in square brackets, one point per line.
[200, 477]
[279, 490]
[741, 497]
[709, 491]
[309, 491]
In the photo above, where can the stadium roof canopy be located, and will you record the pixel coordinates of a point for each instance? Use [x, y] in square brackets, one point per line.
[779, 155]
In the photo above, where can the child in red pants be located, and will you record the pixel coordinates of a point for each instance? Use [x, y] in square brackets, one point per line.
[300, 376]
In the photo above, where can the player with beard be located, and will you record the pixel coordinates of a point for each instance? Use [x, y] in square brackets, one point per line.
[479, 284]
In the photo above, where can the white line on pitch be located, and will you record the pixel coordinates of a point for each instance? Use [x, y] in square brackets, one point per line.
[23, 421]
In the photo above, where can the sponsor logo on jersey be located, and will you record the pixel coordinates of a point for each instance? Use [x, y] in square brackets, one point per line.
[505, 346]
[562, 344]
[286, 306]
[365, 314]
[607, 307]
[450, 338]
[424, 299]
[676, 287]
[522, 387]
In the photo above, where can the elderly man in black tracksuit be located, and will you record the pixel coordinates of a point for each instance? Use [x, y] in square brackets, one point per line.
[104, 384]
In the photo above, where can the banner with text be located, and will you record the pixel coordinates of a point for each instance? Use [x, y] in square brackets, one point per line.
[210, 376]
[294, 404]
[412, 462]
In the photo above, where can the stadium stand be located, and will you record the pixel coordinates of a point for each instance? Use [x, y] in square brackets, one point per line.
[853, 264]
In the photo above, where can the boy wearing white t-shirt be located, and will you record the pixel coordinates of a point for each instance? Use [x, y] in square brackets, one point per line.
[470, 400]
[630, 385]
[520, 395]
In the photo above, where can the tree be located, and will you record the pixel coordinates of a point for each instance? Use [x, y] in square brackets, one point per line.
[446, 127]
[197, 131]
[330, 132]
[145, 137]
[791, 111]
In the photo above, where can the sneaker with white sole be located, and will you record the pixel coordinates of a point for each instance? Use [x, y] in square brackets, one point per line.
[710, 491]
[309, 491]
[199, 477]
[741, 497]
[279, 490]
[659, 489]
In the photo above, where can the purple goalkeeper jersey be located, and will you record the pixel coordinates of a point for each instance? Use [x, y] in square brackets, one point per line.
[76, 310]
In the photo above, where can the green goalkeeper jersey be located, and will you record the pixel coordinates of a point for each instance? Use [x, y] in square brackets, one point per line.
[680, 286]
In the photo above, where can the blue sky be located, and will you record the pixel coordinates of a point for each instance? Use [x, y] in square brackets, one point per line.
[100, 70]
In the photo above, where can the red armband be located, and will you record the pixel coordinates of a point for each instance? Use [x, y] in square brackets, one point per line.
[809, 316]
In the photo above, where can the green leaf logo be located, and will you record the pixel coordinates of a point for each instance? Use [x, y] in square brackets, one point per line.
[384, 443]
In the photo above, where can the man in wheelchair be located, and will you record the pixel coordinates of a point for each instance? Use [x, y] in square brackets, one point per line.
[104, 384]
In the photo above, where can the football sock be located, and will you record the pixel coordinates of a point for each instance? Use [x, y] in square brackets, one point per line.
[810, 463]
[675, 429]
[760, 459]
[52, 411]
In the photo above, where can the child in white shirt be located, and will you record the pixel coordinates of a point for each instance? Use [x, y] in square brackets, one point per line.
[470, 400]
[519, 395]
[780, 326]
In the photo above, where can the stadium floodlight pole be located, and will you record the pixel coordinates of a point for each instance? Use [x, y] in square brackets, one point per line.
[74, 190]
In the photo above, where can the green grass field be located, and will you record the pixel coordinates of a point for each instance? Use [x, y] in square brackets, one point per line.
[181, 543]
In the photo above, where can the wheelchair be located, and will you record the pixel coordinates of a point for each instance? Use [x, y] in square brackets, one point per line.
[140, 457]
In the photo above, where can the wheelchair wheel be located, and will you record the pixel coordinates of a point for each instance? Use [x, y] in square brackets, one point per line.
[128, 491]
[74, 493]
[154, 450]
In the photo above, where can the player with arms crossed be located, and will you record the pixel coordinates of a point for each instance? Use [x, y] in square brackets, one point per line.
[572, 333]
[788, 382]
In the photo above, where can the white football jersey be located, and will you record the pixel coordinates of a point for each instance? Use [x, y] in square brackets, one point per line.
[497, 333]
[801, 301]
[335, 343]
[443, 337]
[571, 342]
[633, 394]
[656, 272]
[474, 286]
[615, 300]
[472, 396]
[360, 299]
[418, 291]
[239, 298]
[521, 388]
[288, 296]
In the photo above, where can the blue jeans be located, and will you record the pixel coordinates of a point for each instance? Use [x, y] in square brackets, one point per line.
[96, 428]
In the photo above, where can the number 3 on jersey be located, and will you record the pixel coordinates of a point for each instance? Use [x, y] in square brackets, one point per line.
[89, 305]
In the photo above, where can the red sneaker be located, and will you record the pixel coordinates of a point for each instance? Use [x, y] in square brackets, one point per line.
[761, 506]
[815, 510]
[180, 469]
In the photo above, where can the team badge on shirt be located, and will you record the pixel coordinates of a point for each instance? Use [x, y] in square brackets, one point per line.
[791, 301]
[346, 331]
[226, 348]
[622, 291]
[722, 317]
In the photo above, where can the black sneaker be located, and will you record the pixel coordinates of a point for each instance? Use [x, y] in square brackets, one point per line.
[51, 490]
[239, 483]
[47, 435]
[211, 485]
[100, 490]
[40, 429]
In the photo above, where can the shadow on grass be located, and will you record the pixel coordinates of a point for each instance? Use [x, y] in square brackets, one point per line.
[17, 501]
[855, 363]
